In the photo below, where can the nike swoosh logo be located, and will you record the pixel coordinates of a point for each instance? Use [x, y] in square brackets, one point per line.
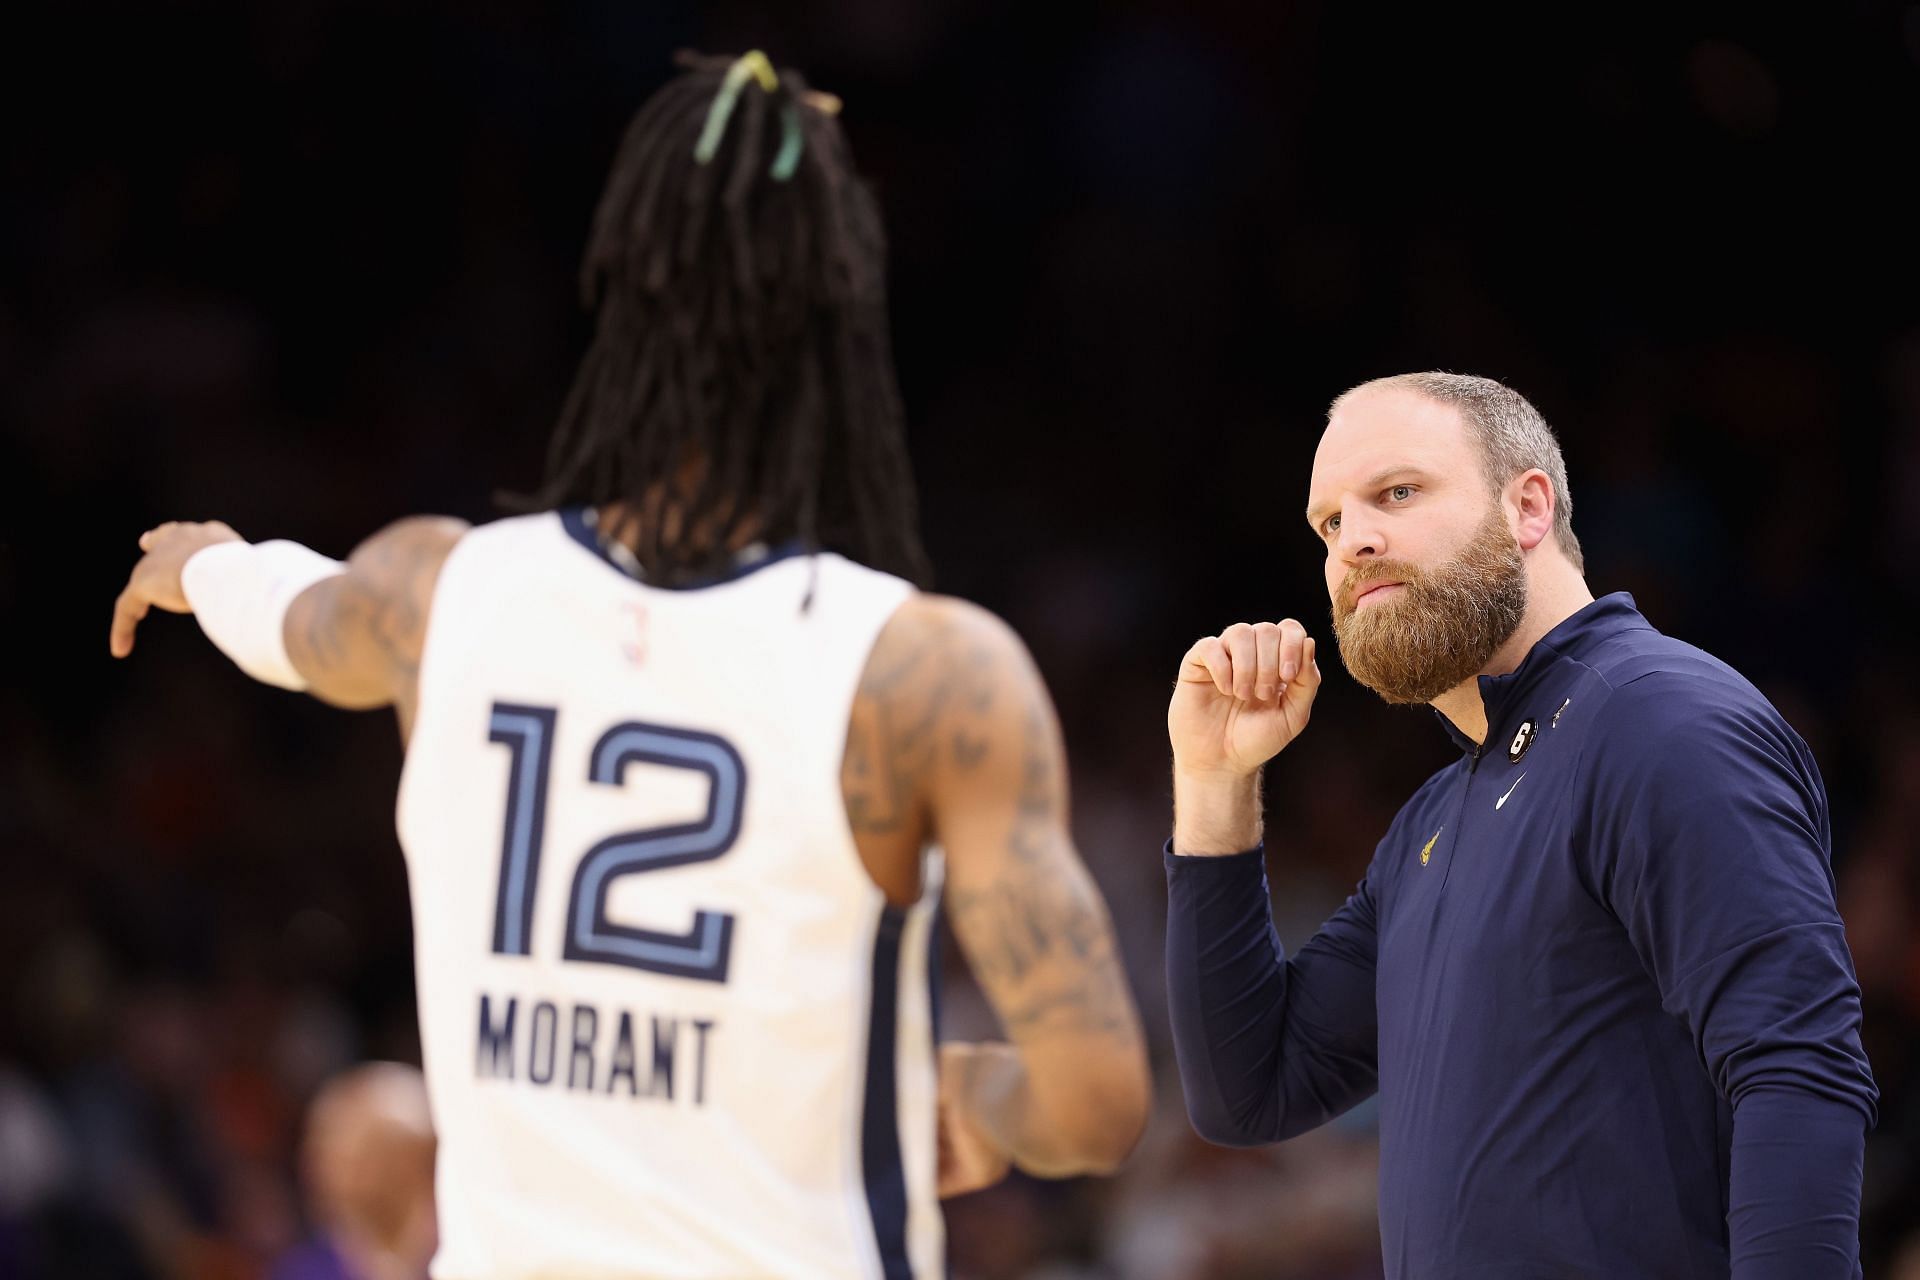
[1516, 782]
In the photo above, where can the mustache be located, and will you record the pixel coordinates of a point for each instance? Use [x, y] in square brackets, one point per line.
[1362, 576]
[1442, 625]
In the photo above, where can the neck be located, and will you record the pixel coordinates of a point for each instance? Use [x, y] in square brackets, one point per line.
[623, 524]
[1552, 599]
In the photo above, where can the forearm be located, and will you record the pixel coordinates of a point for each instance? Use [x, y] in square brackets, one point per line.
[1214, 813]
[241, 594]
[1226, 994]
[328, 635]
[1268, 1047]
[1794, 1201]
[290, 617]
[356, 638]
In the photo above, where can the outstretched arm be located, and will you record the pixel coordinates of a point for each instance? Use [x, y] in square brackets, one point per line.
[351, 636]
[356, 638]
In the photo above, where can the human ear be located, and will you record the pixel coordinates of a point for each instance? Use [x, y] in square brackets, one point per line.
[1531, 499]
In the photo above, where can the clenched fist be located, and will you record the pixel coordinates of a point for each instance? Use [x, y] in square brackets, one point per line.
[1242, 696]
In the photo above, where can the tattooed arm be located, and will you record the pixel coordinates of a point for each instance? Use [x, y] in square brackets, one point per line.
[955, 740]
[354, 638]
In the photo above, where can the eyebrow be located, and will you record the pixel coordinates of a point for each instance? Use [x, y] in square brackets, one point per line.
[1378, 480]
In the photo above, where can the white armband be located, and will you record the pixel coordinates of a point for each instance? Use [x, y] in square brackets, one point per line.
[240, 592]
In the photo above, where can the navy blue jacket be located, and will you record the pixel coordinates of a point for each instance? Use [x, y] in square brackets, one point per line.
[1595, 973]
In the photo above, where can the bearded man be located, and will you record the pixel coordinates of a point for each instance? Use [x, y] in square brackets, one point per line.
[1595, 971]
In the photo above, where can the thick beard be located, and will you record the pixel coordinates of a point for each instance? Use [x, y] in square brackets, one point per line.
[1441, 628]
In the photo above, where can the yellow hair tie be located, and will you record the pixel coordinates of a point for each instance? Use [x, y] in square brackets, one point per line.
[752, 65]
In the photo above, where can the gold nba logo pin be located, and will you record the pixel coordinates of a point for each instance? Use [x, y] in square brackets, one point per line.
[1426, 850]
[1521, 741]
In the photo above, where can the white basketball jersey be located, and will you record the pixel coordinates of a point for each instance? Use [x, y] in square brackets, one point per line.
[671, 1027]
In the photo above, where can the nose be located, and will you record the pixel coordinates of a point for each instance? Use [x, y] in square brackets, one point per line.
[1359, 537]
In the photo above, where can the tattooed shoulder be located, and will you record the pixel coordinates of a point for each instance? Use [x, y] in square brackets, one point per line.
[403, 563]
[924, 704]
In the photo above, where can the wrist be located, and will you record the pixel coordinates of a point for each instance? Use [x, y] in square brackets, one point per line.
[240, 593]
[1215, 812]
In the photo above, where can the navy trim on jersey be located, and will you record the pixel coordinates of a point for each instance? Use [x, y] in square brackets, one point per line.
[580, 529]
[528, 733]
[880, 1160]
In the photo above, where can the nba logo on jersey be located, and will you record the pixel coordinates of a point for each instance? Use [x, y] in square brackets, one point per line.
[633, 631]
[660, 996]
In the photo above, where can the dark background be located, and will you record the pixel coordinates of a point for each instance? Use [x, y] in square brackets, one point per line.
[309, 266]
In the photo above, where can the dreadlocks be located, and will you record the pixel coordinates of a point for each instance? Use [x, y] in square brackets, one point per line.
[740, 380]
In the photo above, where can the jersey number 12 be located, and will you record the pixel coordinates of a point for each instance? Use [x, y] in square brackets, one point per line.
[702, 951]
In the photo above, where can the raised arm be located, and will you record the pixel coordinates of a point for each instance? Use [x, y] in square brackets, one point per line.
[965, 749]
[348, 633]
[1268, 1046]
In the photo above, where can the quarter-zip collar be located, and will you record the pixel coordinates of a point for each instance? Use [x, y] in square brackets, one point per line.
[1570, 642]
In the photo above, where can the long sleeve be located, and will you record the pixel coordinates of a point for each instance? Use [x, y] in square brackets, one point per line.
[1268, 1046]
[1794, 1203]
[1711, 846]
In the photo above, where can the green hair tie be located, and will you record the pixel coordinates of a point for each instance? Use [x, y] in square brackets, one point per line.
[752, 65]
[791, 140]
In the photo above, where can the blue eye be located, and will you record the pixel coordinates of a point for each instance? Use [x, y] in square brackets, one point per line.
[1401, 492]
[1333, 523]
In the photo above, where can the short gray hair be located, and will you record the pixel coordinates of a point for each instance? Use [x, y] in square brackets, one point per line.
[1512, 435]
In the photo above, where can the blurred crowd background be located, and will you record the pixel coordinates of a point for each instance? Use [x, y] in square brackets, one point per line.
[308, 265]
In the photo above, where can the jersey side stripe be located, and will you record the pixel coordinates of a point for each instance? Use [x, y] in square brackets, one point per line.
[880, 1157]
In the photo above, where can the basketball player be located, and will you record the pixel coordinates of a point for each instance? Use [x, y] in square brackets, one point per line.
[679, 741]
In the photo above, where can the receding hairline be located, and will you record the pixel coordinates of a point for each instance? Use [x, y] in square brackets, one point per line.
[1417, 384]
[1408, 382]
[1512, 434]
[1398, 381]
